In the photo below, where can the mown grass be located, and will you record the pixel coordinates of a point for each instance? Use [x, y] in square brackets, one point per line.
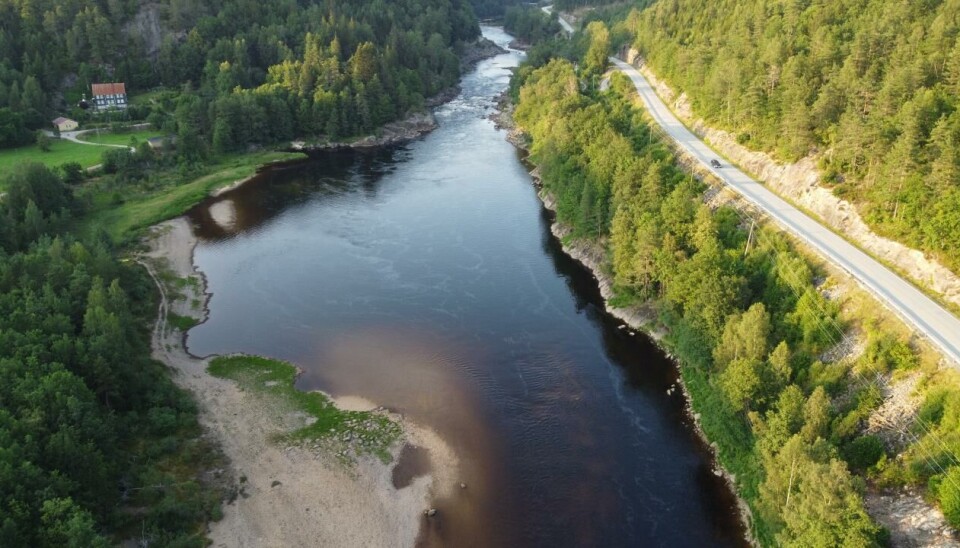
[124, 213]
[61, 152]
[366, 432]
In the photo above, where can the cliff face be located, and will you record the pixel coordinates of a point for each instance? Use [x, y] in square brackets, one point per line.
[800, 183]
[147, 25]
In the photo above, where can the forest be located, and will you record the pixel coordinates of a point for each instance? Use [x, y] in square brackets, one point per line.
[870, 87]
[244, 72]
[743, 314]
[97, 445]
[95, 439]
[573, 5]
[492, 9]
[530, 24]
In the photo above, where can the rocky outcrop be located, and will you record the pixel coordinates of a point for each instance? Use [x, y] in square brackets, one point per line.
[911, 521]
[894, 418]
[477, 51]
[800, 183]
[593, 255]
[502, 118]
[147, 26]
[393, 133]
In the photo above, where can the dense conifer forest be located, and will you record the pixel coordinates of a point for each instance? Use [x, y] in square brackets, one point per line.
[872, 87]
[530, 24]
[742, 312]
[94, 436]
[245, 72]
[97, 444]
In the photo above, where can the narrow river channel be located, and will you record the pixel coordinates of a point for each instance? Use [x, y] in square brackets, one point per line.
[425, 278]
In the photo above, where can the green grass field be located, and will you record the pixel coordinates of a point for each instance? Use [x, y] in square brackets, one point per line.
[141, 209]
[61, 152]
[106, 138]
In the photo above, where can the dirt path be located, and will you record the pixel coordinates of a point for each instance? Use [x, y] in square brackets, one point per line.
[290, 496]
[74, 137]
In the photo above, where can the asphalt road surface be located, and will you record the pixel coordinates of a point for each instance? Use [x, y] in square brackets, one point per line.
[929, 318]
[563, 24]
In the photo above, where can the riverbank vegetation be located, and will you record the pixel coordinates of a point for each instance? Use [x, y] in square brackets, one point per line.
[759, 341]
[530, 24]
[143, 189]
[869, 87]
[492, 9]
[98, 444]
[366, 432]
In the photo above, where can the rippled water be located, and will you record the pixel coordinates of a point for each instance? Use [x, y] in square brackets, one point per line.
[425, 278]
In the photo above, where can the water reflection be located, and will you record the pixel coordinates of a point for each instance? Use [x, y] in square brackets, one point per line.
[425, 278]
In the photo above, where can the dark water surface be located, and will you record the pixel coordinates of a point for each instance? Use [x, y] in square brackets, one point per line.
[425, 278]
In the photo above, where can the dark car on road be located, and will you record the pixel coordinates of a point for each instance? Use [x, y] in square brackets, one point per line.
[715, 163]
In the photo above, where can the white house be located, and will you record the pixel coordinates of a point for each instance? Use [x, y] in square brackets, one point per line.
[109, 96]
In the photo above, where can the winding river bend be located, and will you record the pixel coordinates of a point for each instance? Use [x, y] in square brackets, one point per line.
[425, 278]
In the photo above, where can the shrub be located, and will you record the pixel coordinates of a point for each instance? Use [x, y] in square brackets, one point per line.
[948, 492]
[863, 452]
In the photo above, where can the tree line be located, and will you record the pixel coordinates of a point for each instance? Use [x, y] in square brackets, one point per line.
[744, 316]
[309, 68]
[492, 9]
[870, 87]
[96, 443]
[530, 23]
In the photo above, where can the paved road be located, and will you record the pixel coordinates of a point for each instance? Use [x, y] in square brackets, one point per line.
[928, 317]
[563, 23]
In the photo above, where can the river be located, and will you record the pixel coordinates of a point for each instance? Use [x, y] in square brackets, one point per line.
[425, 278]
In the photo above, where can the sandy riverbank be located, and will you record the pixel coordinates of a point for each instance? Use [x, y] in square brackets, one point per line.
[303, 495]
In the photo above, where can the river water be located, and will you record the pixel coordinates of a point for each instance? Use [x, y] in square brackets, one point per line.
[425, 278]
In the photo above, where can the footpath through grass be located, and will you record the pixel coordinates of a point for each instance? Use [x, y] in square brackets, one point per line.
[125, 212]
[122, 138]
[364, 432]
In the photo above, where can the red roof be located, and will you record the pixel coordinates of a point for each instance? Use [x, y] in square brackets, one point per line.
[109, 89]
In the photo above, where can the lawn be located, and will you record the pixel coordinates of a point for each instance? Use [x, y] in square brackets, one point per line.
[138, 209]
[61, 152]
[122, 138]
